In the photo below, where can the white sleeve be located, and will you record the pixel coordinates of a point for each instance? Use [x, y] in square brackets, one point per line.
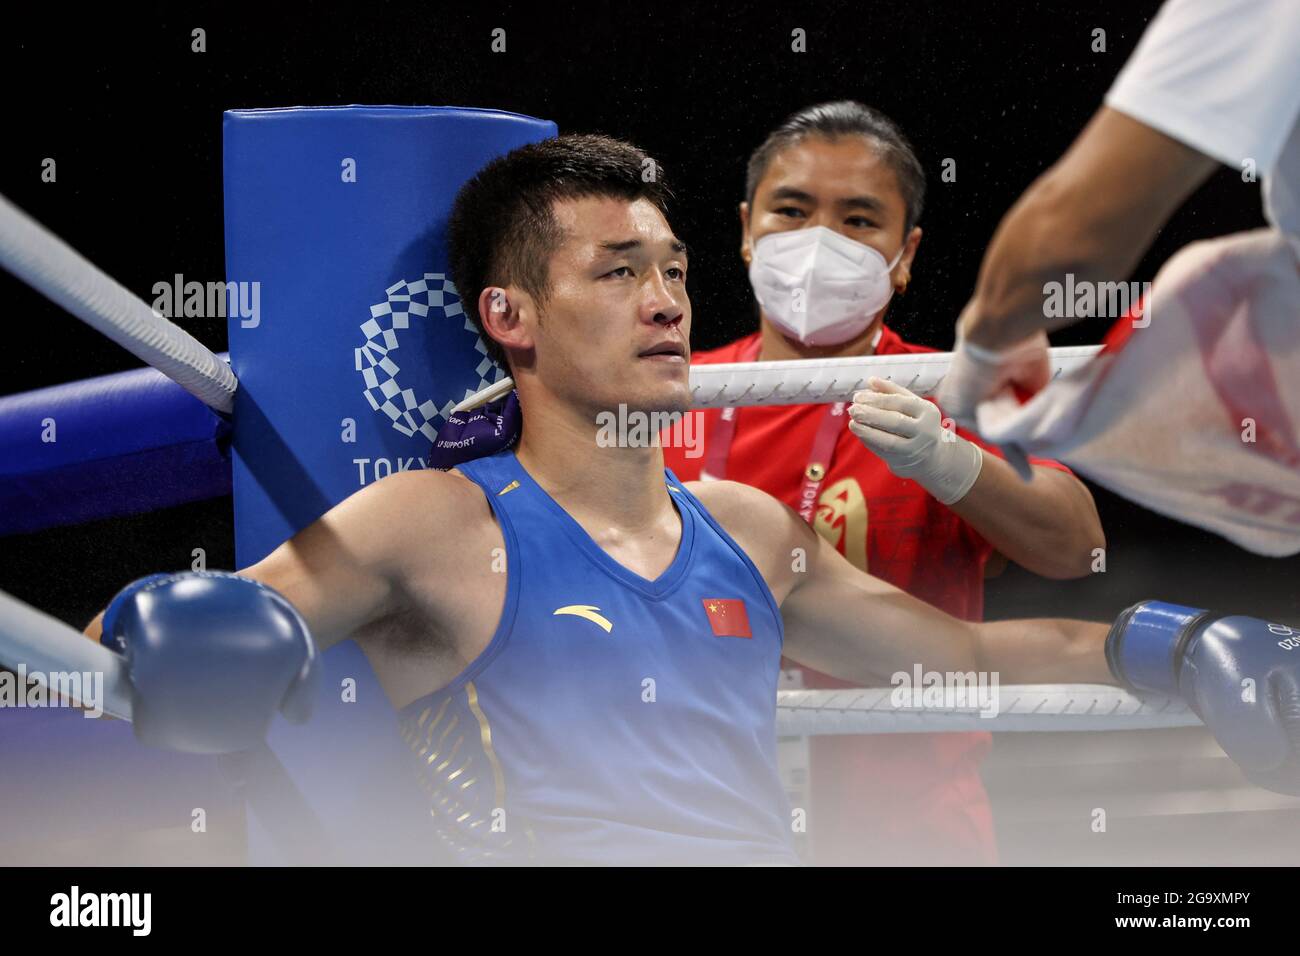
[1222, 76]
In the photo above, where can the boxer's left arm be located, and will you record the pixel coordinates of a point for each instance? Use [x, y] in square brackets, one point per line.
[1240, 674]
[844, 622]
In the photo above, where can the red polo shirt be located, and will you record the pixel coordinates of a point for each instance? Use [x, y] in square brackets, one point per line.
[893, 798]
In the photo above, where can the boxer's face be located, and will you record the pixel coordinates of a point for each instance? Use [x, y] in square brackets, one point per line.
[842, 184]
[615, 327]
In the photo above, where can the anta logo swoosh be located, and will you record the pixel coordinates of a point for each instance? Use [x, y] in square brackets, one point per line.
[587, 612]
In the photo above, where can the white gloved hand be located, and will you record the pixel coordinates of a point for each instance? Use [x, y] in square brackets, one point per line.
[979, 374]
[907, 432]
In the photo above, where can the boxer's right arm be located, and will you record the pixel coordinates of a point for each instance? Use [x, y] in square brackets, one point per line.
[353, 565]
[348, 568]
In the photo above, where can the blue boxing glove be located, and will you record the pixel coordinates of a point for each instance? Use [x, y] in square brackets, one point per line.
[212, 657]
[1240, 674]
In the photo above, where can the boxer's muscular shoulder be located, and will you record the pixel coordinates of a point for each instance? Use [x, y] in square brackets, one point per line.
[432, 520]
[444, 548]
[767, 529]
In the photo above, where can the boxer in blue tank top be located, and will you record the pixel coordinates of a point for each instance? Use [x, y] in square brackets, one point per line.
[611, 697]
[611, 718]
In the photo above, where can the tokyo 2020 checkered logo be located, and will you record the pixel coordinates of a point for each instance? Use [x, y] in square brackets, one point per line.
[419, 316]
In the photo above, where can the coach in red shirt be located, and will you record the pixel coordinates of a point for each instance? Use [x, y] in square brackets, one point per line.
[829, 234]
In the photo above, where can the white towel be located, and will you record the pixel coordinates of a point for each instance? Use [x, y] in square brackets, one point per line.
[1195, 414]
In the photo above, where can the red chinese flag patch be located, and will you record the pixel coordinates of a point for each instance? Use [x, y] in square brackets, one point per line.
[727, 617]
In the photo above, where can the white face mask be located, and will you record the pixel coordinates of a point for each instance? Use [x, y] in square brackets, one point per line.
[818, 286]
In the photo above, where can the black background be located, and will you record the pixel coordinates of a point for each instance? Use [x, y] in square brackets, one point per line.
[133, 119]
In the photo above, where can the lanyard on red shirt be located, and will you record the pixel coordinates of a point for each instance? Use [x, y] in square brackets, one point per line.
[717, 446]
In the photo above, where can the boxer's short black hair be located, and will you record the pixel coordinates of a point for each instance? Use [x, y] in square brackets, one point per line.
[503, 228]
[846, 118]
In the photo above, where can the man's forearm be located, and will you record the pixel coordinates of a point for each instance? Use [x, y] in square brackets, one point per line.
[1092, 215]
[1051, 233]
[1044, 651]
[1048, 526]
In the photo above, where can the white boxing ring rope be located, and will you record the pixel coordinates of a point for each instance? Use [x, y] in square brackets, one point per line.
[42, 646]
[811, 381]
[1019, 707]
[60, 273]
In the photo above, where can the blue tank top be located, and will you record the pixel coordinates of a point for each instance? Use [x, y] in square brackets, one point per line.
[611, 719]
